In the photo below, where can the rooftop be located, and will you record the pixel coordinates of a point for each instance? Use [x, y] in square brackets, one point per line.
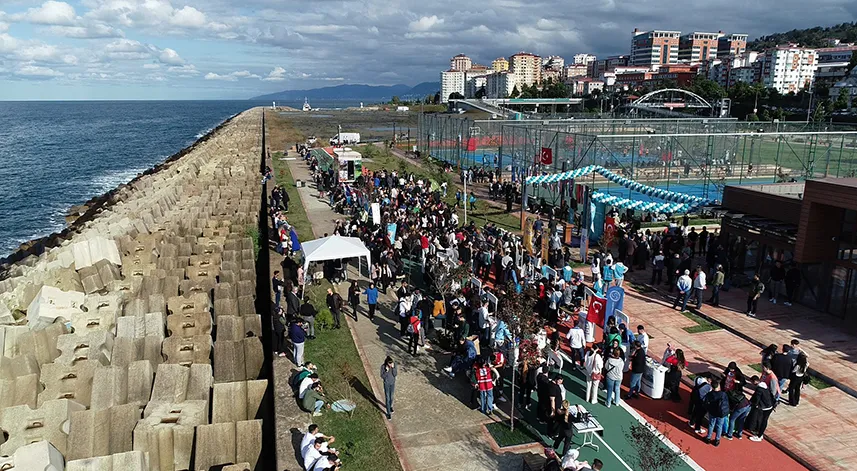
[789, 190]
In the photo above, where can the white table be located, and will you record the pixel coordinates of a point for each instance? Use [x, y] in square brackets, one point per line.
[587, 429]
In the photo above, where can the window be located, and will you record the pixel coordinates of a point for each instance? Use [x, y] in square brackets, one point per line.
[665, 55]
[704, 52]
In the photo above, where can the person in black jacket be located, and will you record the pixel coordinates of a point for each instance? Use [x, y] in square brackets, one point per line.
[762, 404]
[696, 408]
[638, 367]
[529, 382]
[781, 365]
[717, 406]
[564, 427]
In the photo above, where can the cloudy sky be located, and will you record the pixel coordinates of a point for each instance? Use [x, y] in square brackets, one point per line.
[185, 49]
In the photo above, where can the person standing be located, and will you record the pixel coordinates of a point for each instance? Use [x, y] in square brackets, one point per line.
[716, 284]
[298, 336]
[614, 368]
[372, 299]
[753, 295]
[739, 407]
[413, 330]
[717, 405]
[638, 367]
[279, 326]
[778, 276]
[483, 381]
[334, 303]
[308, 314]
[798, 378]
[577, 342]
[792, 283]
[699, 287]
[354, 299]
[672, 270]
[684, 285]
[389, 371]
[564, 427]
[277, 285]
[762, 404]
[658, 268]
[594, 365]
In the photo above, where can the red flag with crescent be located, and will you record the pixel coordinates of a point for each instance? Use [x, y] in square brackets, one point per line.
[546, 156]
[595, 313]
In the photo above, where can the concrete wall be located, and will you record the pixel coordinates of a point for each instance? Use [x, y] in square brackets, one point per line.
[762, 202]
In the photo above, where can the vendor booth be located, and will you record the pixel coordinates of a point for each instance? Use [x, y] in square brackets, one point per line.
[349, 164]
[336, 248]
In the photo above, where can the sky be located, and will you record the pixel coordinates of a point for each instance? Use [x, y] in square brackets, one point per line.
[219, 49]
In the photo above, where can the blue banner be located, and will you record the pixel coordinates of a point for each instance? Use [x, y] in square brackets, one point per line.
[615, 300]
[391, 232]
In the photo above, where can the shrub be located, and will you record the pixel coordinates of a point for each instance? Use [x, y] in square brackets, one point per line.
[324, 319]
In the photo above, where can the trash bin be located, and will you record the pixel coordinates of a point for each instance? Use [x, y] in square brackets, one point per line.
[653, 379]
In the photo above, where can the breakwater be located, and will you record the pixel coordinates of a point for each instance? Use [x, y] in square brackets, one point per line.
[132, 339]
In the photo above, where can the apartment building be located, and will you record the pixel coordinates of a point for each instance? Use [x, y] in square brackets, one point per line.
[696, 47]
[721, 70]
[654, 48]
[583, 59]
[475, 79]
[608, 65]
[460, 62]
[451, 81]
[500, 84]
[832, 63]
[574, 70]
[500, 64]
[527, 68]
[553, 62]
[788, 68]
[732, 45]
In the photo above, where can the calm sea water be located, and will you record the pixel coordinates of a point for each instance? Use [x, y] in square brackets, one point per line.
[57, 154]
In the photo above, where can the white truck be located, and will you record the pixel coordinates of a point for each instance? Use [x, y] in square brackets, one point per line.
[345, 138]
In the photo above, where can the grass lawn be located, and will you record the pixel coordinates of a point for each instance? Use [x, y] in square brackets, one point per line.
[702, 325]
[296, 215]
[504, 436]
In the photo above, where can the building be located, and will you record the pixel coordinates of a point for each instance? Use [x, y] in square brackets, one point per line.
[552, 74]
[460, 62]
[500, 84]
[451, 81]
[732, 45]
[833, 63]
[553, 62]
[720, 70]
[813, 225]
[654, 48]
[500, 64]
[574, 70]
[580, 86]
[526, 67]
[742, 74]
[696, 47]
[583, 59]
[788, 68]
[475, 79]
[608, 65]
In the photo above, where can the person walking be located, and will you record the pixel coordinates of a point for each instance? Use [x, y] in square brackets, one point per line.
[354, 299]
[638, 367]
[594, 364]
[614, 368]
[698, 287]
[371, 299]
[658, 263]
[684, 285]
[297, 335]
[716, 284]
[389, 371]
[753, 295]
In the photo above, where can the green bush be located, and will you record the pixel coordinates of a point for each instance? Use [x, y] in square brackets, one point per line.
[324, 319]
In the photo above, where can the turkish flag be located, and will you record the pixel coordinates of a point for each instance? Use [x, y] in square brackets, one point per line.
[546, 156]
[471, 144]
[595, 313]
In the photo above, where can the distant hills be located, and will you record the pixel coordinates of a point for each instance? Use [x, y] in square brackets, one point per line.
[810, 37]
[356, 92]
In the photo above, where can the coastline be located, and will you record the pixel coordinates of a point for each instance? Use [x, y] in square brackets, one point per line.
[89, 209]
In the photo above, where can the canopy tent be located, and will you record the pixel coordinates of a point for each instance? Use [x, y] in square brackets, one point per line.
[333, 248]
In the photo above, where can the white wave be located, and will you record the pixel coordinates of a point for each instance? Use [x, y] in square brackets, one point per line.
[104, 183]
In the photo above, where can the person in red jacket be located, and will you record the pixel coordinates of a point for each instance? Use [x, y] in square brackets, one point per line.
[414, 326]
[482, 380]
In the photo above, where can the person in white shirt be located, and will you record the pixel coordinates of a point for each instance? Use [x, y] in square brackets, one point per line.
[306, 383]
[577, 341]
[643, 338]
[485, 322]
[698, 287]
[311, 435]
[317, 451]
[593, 365]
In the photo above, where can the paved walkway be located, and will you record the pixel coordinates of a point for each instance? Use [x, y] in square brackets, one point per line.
[823, 429]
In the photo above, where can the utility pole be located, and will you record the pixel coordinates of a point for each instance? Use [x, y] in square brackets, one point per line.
[809, 107]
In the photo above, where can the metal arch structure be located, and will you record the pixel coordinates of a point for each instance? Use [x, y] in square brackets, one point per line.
[642, 101]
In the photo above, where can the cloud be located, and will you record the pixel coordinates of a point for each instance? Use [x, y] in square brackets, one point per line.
[37, 72]
[276, 75]
[151, 66]
[187, 70]
[425, 23]
[50, 13]
[88, 31]
[232, 77]
[188, 17]
[170, 57]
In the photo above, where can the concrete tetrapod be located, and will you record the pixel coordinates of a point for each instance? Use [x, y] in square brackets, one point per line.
[49, 422]
[130, 461]
[228, 443]
[38, 456]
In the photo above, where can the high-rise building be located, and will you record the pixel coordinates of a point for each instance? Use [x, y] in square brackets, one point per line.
[608, 65]
[553, 62]
[833, 63]
[696, 47]
[500, 64]
[451, 81]
[574, 71]
[584, 59]
[788, 68]
[654, 48]
[460, 62]
[732, 45]
[526, 67]
[475, 79]
[500, 84]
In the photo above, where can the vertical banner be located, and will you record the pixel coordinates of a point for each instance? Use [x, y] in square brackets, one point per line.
[376, 213]
[391, 232]
[615, 300]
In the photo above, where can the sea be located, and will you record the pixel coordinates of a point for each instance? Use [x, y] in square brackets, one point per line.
[54, 155]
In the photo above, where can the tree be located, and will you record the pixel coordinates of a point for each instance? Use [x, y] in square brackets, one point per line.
[444, 278]
[841, 100]
[515, 92]
[456, 96]
[394, 100]
[481, 93]
[436, 99]
[707, 89]
[652, 454]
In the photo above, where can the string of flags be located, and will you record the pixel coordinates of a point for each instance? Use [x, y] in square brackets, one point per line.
[666, 195]
[648, 206]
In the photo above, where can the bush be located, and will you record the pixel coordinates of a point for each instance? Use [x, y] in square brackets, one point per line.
[324, 319]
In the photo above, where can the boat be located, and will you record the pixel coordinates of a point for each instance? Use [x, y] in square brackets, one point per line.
[306, 105]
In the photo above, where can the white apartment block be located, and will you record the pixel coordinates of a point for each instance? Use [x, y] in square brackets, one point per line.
[554, 62]
[500, 84]
[526, 67]
[788, 69]
[583, 59]
[574, 70]
[742, 74]
[460, 62]
[451, 81]
[474, 80]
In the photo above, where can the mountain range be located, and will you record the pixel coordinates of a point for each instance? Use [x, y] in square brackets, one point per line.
[356, 92]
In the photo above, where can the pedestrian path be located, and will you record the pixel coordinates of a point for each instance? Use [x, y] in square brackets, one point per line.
[807, 431]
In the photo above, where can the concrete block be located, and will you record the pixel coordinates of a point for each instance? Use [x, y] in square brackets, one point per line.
[225, 291]
[52, 303]
[197, 302]
[137, 307]
[188, 325]
[19, 391]
[237, 360]
[41, 344]
[107, 271]
[187, 350]
[68, 381]
[237, 467]
[152, 285]
[248, 274]
[6, 317]
[151, 324]
[167, 431]
[246, 305]
[236, 401]
[141, 377]
[126, 350]
[238, 327]
[246, 288]
[102, 432]
[228, 443]
[171, 285]
[129, 461]
[190, 287]
[49, 422]
[176, 383]
[21, 365]
[91, 280]
[93, 345]
[109, 388]
[38, 456]
[88, 252]
[157, 302]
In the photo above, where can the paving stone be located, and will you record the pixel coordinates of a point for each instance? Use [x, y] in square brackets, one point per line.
[25, 425]
[102, 432]
[40, 455]
[130, 461]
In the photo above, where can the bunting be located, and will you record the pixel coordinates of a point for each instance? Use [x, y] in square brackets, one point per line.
[637, 205]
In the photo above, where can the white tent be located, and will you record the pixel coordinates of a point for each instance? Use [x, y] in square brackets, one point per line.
[334, 247]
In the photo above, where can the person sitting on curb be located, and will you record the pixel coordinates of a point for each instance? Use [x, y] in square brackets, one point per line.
[311, 435]
[464, 361]
[302, 373]
[313, 400]
[313, 454]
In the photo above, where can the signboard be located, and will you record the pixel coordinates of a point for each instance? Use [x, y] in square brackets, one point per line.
[376, 213]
